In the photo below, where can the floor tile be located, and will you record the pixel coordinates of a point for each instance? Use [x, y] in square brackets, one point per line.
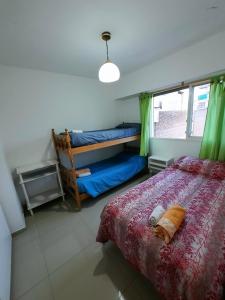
[91, 209]
[141, 289]
[91, 216]
[41, 291]
[112, 249]
[28, 268]
[56, 257]
[26, 235]
[121, 272]
[50, 220]
[92, 274]
[62, 243]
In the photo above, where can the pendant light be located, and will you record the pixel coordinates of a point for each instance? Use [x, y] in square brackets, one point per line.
[108, 72]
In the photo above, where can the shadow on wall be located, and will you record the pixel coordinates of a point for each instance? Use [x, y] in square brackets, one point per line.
[27, 153]
[34, 151]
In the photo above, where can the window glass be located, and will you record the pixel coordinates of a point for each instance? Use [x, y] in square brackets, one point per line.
[200, 105]
[170, 114]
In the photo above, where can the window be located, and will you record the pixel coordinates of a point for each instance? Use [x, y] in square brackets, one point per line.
[181, 113]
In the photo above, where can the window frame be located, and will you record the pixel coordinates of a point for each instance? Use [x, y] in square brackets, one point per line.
[189, 120]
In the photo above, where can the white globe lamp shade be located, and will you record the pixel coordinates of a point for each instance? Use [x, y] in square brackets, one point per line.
[109, 72]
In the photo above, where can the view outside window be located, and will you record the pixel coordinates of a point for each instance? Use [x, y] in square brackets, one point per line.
[170, 114]
[200, 105]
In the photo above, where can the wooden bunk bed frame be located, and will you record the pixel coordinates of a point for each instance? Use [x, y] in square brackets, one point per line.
[62, 144]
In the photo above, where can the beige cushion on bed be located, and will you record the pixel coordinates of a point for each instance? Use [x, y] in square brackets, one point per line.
[83, 172]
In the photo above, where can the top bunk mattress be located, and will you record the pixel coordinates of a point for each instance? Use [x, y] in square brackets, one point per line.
[98, 136]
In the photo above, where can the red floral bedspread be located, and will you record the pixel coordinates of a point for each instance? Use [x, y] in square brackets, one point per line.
[192, 266]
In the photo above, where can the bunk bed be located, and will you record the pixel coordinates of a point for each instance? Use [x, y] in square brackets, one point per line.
[105, 174]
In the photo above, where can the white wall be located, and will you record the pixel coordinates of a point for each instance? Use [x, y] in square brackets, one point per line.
[128, 110]
[196, 61]
[191, 63]
[32, 102]
[8, 197]
[174, 148]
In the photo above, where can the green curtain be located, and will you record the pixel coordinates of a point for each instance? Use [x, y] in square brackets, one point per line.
[145, 101]
[213, 142]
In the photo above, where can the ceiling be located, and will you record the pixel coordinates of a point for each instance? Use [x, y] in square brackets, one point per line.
[64, 36]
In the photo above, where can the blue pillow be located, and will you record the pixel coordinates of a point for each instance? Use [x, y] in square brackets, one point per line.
[129, 125]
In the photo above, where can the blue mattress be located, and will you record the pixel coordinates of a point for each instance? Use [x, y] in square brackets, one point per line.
[98, 136]
[111, 172]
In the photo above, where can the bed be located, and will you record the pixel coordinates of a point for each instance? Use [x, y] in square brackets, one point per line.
[192, 266]
[104, 175]
[111, 172]
[98, 136]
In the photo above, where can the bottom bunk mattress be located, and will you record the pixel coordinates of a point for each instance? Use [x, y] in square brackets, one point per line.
[111, 172]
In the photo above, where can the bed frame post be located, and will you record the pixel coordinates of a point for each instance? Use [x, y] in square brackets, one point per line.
[73, 169]
[68, 148]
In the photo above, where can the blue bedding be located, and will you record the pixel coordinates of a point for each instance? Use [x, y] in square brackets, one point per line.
[98, 136]
[111, 172]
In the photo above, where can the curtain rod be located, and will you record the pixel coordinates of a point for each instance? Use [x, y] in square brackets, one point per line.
[184, 84]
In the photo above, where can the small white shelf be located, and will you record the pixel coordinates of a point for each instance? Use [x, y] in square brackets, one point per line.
[36, 167]
[160, 165]
[39, 176]
[44, 197]
[38, 171]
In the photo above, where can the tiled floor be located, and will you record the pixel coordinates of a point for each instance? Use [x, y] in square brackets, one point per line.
[57, 257]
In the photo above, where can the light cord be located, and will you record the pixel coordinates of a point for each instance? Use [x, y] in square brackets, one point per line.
[107, 50]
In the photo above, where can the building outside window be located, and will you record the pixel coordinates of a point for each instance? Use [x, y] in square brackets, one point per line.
[182, 113]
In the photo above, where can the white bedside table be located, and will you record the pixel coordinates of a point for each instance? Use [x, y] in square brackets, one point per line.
[31, 173]
[158, 163]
